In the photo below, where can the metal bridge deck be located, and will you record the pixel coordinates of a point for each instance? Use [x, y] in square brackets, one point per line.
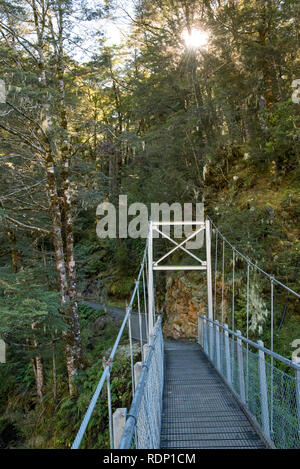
[199, 411]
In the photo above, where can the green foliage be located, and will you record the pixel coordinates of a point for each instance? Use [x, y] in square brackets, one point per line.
[289, 332]
[160, 123]
[28, 316]
[122, 287]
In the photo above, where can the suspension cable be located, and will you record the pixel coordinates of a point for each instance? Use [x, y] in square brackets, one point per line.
[252, 263]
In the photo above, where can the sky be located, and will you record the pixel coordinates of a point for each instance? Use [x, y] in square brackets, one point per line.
[115, 29]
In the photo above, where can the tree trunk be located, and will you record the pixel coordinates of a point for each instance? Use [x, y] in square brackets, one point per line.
[58, 244]
[264, 9]
[54, 380]
[37, 364]
[74, 347]
[70, 262]
[15, 255]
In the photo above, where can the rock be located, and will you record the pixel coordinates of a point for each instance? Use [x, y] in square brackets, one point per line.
[98, 325]
[184, 301]
[186, 297]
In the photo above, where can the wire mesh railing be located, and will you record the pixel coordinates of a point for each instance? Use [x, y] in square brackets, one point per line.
[143, 425]
[136, 326]
[270, 395]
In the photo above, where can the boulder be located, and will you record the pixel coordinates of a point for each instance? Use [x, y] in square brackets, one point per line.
[185, 299]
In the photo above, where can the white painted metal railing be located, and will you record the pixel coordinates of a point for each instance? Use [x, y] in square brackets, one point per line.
[270, 395]
[143, 425]
[140, 288]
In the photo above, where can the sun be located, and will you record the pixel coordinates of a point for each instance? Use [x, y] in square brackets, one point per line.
[196, 38]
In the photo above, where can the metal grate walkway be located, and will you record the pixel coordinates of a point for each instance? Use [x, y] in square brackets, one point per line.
[198, 409]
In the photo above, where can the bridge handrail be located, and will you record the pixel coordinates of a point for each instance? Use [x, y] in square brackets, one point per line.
[270, 277]
[256, 345]
[269, 395]
[132, 416]
[107, 368]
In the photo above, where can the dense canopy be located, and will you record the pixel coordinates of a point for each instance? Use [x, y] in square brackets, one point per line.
[198, 102]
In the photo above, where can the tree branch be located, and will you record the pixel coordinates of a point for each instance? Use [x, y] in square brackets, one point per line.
[3, 158]
[23, 137]
[28, 118]
[20, 42]
[23, 189]
[27, 227]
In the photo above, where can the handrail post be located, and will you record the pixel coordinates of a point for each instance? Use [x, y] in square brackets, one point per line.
[137, 372]
[263, 391]
[119, 421]
[150, 281]
[200, 332]
[211, 341]
[227, 355]
[131, 350]
[297, 378]
[139, 313]
[218, 351]
[110, 416]
[205, 338]
[241, 367]
[145, 351]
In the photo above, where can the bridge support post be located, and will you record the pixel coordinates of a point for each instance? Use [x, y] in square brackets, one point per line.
[263, 391]
[297, 376]
[208, 270]
[119, 420]
[241, 368]
[227, 355]
[209, 289]
[218, 351]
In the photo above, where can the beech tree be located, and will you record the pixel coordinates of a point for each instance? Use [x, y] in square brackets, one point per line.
[156, 118]
[36, 128]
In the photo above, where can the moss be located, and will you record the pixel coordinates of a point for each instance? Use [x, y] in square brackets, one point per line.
[122, 287]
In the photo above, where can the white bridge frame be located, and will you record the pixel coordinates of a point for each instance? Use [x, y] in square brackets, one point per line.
[153, 265]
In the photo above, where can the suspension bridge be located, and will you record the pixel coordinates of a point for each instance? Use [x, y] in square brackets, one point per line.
[224, 390]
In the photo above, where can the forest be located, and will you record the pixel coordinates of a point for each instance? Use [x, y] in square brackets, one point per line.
[156, 116]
